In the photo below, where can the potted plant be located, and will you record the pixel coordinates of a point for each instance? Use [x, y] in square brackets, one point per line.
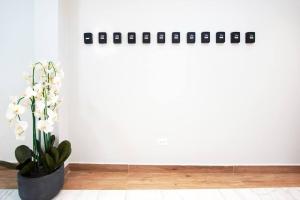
[41, 169]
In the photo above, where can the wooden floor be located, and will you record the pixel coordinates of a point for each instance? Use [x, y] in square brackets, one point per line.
[168, 177]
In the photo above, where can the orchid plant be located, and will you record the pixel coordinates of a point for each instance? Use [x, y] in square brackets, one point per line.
[41, 98]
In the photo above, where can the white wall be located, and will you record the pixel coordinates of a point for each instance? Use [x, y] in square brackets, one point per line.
[46, 29]
[67, 55]
[16, 53]
[28, 33]
[216, 104]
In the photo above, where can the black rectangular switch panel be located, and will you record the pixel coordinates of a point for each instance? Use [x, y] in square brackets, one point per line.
[161, 37]
[220, 37]
[250, 37]
[235, 37]
[176, 37]
[205, 37]
[146, 37]
[102, 38]
[88, 38]
[117, 37]
[131, 38]
[191, 37]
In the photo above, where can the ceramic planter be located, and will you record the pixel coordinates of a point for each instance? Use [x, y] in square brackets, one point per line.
[41, 188]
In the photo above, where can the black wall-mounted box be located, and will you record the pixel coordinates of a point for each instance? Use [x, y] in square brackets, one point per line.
[250, 37]
[102, 37]
[88, 38]
[205, 37]
[117, 37]
[235, 37]
[146, 37]
[176, 37]
[190, 37]
[220, 37]
[161, 37]
[131, 38]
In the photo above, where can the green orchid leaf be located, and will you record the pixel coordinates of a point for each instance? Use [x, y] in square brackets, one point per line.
[23, 153]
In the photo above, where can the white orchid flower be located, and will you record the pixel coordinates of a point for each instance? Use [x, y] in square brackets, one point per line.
[26, 102]
[38, 87]
[13, 99]
[20, 128]
[53, 91]
[39, 115]
[29, 92]
[14, 110]
[52, 115]
[18, 109]
[39, 106]
[56, 84]
[10, 115]
[49, 71]
[45, 125]
[57, 80]
[52, 100]
[39, 97]
[45, 90]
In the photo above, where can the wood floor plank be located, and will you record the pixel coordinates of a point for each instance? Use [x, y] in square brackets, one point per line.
[98, 167]
[179, 169]
[266, 169]
[80, 176]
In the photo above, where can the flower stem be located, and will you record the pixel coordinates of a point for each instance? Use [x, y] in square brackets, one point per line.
[39, 153]
[34, 144]
[45, 141]
[49, 141]
[34, 131]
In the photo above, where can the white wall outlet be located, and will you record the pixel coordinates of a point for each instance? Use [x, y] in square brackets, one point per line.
[162, 141]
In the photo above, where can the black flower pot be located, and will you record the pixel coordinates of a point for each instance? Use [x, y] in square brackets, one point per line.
[41, 188]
